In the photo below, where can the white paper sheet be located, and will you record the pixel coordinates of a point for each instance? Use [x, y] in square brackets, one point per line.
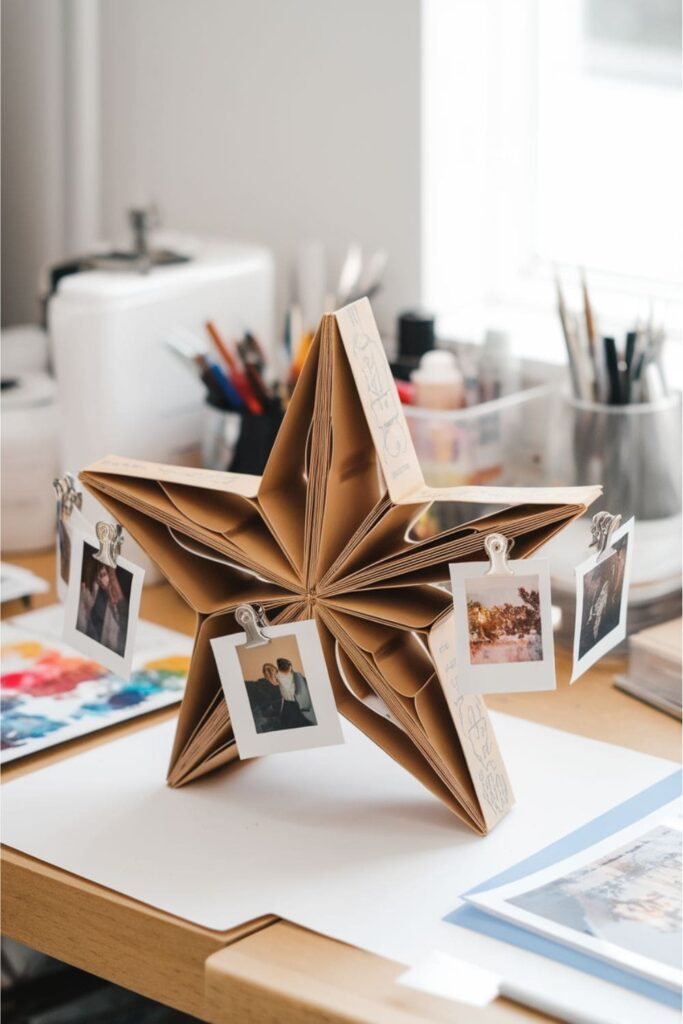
[338, 839]
[16, 582]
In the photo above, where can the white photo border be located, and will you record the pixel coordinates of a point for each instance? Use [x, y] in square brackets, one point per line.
[120, 664]
[505, 677]
[74, 521]
[616, 635]
[251, 743]
[497, 900]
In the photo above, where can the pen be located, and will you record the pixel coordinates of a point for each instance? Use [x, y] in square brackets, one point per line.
[257, 385]
[230, 392]
[590, 333]
[568, 340]
[254, 346]
[612, 364]
[631, 339]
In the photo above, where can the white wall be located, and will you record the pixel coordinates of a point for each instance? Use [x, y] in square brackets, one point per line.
[32, 150]
[275, 121]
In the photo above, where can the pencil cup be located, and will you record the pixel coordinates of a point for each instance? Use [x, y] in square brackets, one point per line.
[634, 451]
[238, 442]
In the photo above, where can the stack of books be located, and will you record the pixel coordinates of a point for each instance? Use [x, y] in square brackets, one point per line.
[654, 667]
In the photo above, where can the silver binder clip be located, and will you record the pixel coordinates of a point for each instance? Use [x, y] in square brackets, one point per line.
[497, 548]
[111, 539]
[252, 619]
[68, 495]
[603, 526]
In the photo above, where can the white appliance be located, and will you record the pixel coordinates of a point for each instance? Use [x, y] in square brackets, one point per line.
[121, 390]
[29, 459]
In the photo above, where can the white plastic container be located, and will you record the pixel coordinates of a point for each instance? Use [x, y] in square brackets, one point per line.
[121, 391]
[30, 460]
[498, 442]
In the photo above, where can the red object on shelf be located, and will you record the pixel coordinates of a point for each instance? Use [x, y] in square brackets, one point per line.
[406, 392]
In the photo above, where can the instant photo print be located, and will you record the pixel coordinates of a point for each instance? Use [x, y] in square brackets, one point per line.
[102, 604]
[326, 534]
[619, 900]
[503, 627]
[68, 518]
[602, 583]
[278, 693]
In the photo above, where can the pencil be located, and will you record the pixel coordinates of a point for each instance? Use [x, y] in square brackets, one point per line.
[590, 332]
[568, 339]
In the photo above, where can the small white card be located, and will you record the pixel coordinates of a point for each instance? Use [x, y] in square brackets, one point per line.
[503, 627]
[102, 604]
[602, 584]
[278, 694]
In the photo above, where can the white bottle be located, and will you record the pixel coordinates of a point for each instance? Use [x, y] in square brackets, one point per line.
[499, 369]
[438, 382]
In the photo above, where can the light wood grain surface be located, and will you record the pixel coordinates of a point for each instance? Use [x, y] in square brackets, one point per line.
[269, 970]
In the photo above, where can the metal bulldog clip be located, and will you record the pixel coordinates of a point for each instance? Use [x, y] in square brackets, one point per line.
[68, 495]
[110, 537]
[602, 528]
[498, 547]
[252, 619]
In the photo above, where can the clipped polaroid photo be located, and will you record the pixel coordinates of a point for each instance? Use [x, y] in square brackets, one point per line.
[503, 626]
[66, 525]
[602, 583]
[103, 601]
[278, 690]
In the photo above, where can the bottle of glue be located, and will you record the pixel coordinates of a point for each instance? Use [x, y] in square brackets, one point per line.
[438, 382]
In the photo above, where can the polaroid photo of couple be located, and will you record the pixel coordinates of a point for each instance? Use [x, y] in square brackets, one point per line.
[503, 624]
[102, 604]
[602, 583]
[278, 693]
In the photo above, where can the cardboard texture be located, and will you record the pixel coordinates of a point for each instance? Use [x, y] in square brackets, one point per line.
[325, 534]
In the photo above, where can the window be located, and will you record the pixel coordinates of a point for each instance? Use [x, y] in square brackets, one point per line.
[551, 141]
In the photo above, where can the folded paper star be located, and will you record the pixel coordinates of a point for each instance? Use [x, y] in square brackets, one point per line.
[325, 533]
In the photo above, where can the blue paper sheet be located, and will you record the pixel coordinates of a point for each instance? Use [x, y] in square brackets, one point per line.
[602, 827]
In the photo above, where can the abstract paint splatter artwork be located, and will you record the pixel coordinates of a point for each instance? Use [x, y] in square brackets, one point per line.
[49, 694]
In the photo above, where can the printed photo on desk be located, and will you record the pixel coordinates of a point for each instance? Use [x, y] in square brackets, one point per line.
[620, 900]
[278, 693]
[602, 584]
[102, 605]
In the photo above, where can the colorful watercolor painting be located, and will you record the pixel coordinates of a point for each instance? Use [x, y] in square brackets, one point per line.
[49, 694]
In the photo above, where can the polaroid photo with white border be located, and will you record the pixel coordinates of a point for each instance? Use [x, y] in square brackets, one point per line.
[278, 694]
[503, 627]
[602, 583]
[618, 900]
[66, 525]
[102, 605]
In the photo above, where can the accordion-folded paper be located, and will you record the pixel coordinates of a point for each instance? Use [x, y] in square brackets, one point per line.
[325, 533]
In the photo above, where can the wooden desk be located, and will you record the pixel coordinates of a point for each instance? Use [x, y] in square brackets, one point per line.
[273, 971]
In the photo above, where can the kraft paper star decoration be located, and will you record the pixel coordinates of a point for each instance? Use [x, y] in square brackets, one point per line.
[326, 533]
